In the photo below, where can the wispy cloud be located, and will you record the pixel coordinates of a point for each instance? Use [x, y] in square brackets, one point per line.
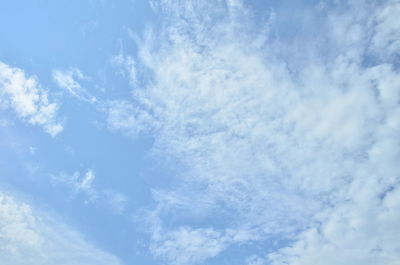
[28, 236]
[386, 40]
[187, 245]
[30, 102]
[127, 66]
[68, 79]
[123, 115]
[363, 230]
[83, 184]
[273, 143]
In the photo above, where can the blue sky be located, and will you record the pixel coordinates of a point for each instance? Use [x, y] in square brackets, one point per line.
[199, 132]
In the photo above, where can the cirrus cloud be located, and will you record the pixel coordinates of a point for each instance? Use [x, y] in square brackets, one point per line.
[267, 143]
[28, 236]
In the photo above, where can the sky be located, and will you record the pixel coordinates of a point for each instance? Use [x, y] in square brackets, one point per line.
[170, 132]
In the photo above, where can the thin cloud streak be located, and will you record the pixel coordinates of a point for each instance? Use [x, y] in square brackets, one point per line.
[68, 80]
[84, 184]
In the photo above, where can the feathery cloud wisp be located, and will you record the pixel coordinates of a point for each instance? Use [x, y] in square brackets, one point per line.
[84, 184]
[67, 79]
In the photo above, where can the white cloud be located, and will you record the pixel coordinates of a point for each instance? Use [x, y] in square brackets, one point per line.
[83, 184]
[362, 231]
[79, 183]
[25, 96]
[86, 183]
[263, 146]
[361, 226]
[127, 67]
[188, 246]
[124, 116]
[386, 40]
[67, 79]
[28, 236]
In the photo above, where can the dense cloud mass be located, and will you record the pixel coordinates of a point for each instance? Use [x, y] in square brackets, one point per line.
[272, 145]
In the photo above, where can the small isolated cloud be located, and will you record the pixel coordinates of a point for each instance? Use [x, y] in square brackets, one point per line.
[83, 184]
[28, 236]
[27, 99]
[32, 150]
[86, 183]
[79, 183]
[68, 79]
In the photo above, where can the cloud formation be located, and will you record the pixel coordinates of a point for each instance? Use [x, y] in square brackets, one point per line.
[83, 184]
[271, 146]
[67, 79]
[27, 99]
[127, 66]
[27, 236]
